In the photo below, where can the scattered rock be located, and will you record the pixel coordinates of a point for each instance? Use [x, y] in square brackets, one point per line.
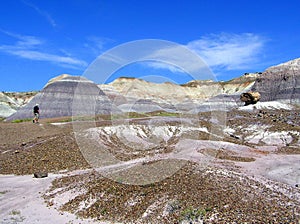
[40, 174]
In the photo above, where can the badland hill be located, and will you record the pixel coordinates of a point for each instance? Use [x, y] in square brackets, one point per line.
[278, 83]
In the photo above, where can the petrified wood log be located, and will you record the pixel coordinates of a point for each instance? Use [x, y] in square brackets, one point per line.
[250, 97]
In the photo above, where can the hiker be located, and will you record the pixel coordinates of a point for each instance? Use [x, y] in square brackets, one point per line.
[36, 112]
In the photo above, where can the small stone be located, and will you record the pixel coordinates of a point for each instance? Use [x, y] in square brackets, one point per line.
[234, 136]
[23, 144]
[296, 185]
[40, 174]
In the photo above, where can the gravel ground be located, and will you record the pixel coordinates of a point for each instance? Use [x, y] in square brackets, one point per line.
[223, 192]
[193, 194]
[27, 148]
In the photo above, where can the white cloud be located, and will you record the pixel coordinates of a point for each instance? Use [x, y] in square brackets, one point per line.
[29, 47]
[218, 53]
[179, 57]
[97, 41]
[42, 13]
[160, 65]
[221, 53]
[96, 44]
[22, 40]
[229, 51]
[39, 56]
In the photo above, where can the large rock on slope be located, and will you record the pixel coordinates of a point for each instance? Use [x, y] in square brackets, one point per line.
[66, 96]
[281, 82]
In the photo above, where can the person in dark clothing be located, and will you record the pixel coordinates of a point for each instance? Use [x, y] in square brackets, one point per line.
[36, 112]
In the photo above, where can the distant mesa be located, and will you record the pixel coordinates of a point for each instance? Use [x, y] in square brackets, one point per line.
[58, 98]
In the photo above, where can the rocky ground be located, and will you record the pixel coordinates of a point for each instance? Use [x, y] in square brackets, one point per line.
[229, 168]
[27, 148]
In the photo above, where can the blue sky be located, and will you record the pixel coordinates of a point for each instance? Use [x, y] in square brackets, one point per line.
[40, 39]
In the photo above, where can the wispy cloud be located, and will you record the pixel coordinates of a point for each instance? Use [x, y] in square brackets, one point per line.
[157, 54]
[220, 52]
[160, 65]
[22, 41]
[96, 44]
[229, 51]
[44, 14]
[28, 47]
[177, 56]
[39, 56]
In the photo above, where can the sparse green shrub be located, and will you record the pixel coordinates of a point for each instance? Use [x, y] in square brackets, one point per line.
[21, 120]
[15, 212]
[191, 214]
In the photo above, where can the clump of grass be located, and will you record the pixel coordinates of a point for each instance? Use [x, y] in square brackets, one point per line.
[61, 120]
[191, 214]
[125, 116]
[163, 113]
[15, 212]
[21, 120]
[16, 216]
